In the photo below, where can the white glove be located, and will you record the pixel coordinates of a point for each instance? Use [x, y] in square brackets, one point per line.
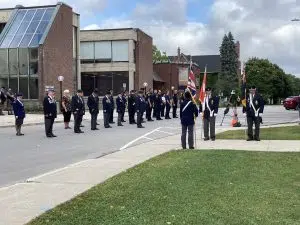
[260, 114]
[215, 114]
[244, 114]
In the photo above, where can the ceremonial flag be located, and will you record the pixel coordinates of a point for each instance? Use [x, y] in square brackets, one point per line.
[192, 82]
[244, 86]
[203, 87]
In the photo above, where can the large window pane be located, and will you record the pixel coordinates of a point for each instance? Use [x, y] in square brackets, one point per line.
[33, 61]
[32, 27]
[3, 62]
[87, 84]
[42, 27]
[104, 83]
[103, 50]
[35, 40]
[15, 43]
[3, 81]
[33, 88]
[6, 41]
[13, 61]
[23, 86]
[120, 51]
[87, 50]
[48, 14]
[38, 15]
[23, 61]
[26, 40]
[13, 84]
[29, 15]
[119, 79]
[23, 28]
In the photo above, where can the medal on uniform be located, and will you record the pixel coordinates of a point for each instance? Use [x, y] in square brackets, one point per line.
[256, 102]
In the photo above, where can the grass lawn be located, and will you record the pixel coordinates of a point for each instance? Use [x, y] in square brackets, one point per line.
[192, 187]
[275, 133]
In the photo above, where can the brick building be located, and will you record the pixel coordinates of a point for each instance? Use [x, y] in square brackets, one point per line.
[117, 59]
[38, 44]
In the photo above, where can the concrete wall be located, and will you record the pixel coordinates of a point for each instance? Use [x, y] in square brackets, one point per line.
[56, 54]
[107, 67]
[144, 61]
[108, 35]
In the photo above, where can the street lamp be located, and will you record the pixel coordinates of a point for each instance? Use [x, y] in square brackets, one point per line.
[60, 79]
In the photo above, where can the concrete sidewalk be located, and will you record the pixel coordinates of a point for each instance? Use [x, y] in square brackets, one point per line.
[22, 202]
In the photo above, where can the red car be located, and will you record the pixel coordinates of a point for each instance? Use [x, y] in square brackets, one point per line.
[292, 103]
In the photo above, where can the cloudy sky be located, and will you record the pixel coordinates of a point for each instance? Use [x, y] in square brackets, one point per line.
[263, 27]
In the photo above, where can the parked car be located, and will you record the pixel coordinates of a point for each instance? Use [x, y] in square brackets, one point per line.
[291, 102]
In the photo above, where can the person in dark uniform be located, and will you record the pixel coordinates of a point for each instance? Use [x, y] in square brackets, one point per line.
[78, 109]
[120, 108]
[140, 108]
[254, 110]
[111, 117]
[19, 111]
[175, 104]
[153, 98]
[149, 106]
[93, 104]
[106, 109]
[181, 98]
[168, 105]
[124, 97]
[188, 112]
[131, 107]
[209, 110]
[50, 113]
[158, 103]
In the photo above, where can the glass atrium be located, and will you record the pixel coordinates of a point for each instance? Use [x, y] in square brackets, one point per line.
[19, 42]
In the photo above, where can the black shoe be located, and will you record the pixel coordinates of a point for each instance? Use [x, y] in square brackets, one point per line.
[159, 119]
[49, 136]
[213, 139]
[68, 128]
[97, 124]
[140, 127]
[53, 135]
[250, 139]
[95, 129]
[257, 139]
[112, 122]
[168, 118]
[206, 139]
[123, 121]
[81, 125]
[192, 148]
[108, 127]
[120, 125]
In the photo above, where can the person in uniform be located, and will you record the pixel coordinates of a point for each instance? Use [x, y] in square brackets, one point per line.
[158, 103]
[131, 107]
[175, 104]
[93, 104]
[254, 110]
[124, 98]
[209, 113]
[111, 116]
[188, 112]
[78, 109]
[120, 108]
[153, 99]
[66, 108]
[149, 106]
[140, 108]
[19, 111]
[168, 105]
[106, 109]
[2, 100]
[50, 112]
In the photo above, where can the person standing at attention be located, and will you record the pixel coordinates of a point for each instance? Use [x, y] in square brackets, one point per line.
[19, 111]
[78, 110]
[50, 112]
[93, 104]
[66, 108]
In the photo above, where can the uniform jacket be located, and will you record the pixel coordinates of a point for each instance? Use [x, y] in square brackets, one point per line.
[93, 104]
[77, 105]
[175, 100]
[168, 100]
[213, 104]
[152, 99]
[106, 104]
[112, 102]
[140, 104]
[125, 101]
[158, 101]
[18, 108]
[148, 100]
[50, 110]
[120, 104]
[131, 102]
[258, 104]
[187, 116]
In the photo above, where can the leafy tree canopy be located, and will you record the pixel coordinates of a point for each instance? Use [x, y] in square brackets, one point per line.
[159, 56]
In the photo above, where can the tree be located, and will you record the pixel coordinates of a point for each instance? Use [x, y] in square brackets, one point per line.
[159, 56]
[228, 78]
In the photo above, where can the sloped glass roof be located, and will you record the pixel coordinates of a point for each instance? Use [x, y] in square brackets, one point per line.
[27, 28]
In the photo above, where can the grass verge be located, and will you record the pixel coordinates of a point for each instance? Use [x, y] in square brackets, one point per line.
[192, 187]
[274, 133]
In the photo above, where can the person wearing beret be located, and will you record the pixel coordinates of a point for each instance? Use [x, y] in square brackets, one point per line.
[107, 107]
[19, 111]
[188, 112]
[78, 109]
[93, 104]
[140, 108]
[254, 110]
[209, 111]
[50, 112]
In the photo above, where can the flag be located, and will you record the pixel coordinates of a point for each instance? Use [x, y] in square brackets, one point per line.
[192, 82]
[203, 87]
[244, 86]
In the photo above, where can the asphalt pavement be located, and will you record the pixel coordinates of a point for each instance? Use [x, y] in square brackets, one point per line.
[33, 154]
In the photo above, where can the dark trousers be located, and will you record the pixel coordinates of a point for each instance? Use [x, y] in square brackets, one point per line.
[157, 111]
[174, 111]
[168, 108]
[131, 115]
[209, 125]
[106, 117]
[120, 114]
[148, 113]
[154, 111]
[162, 111]
[49, 126]
[77, 122]
[123, 114]
[139, 118]
[253, 120]
[190, 130]
[67, 117]
[19, 123]
[111, 116]
[94, 117]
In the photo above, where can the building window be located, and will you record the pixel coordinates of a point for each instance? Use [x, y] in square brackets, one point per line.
[103, 51]
[33, 88]
[23, 61]
[3, 62]
[120, 82]
[33, 62]
[2, 25]
[120, 51]
[87, 52]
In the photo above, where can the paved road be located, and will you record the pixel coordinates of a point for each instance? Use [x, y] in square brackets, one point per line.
[34, 154]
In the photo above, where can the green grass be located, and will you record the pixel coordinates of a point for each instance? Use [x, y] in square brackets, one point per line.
[192, 187]
[275, 133]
